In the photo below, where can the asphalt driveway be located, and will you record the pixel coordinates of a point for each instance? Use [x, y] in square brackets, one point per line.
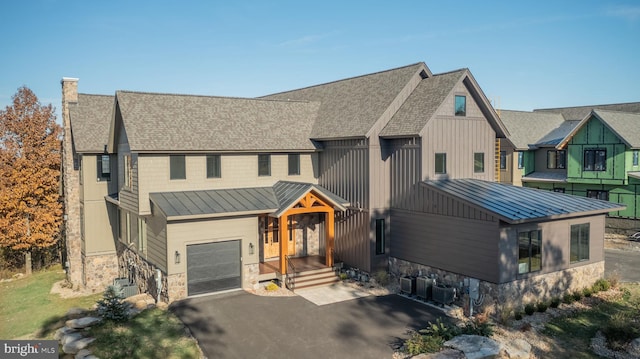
[242, 325]
[625, 263]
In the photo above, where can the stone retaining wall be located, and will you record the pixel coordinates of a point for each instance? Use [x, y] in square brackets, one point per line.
[503, 298]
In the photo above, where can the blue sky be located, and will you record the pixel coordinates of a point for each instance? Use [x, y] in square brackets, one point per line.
[524, 55]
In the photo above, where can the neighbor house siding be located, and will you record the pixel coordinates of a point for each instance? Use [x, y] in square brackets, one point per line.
[344, 170]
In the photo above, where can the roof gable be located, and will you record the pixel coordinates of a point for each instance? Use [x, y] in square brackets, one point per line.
[183, 123]
[626, 126]
[351, 107]
[90, 120]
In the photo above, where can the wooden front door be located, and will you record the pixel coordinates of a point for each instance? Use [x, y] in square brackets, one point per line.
[271, 238]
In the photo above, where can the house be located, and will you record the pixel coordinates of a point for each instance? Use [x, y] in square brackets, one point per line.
[381, 172]
[589, 151]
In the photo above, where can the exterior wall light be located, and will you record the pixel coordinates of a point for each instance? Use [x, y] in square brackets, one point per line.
[250, 248]
[177, 257]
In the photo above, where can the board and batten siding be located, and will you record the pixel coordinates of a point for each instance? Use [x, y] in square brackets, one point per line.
[556, 240]
[405, 162]
[157, 241]
[459, 137]
[344, 170]
[237, 170]
[128, 197]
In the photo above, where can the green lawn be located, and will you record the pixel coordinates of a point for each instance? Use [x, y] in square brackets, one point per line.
[27, 309]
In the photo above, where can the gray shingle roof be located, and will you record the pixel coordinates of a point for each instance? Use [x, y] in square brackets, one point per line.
[528, 128]
[423, 102]
[558, 134]
[90, 120]
[236, 201]
[350, 107]
[167, 122]
[624, 125]
[514, 204]
[579, 112]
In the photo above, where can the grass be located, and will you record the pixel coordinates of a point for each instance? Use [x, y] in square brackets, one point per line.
[154, 333]
[27, 309]
[575, 331]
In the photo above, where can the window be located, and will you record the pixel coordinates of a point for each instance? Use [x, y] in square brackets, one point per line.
[461, 105]
[635, 157]
[441, 163]
[557, 159]
[529, 251]
[579, 243]
[558, 190]
[104, 168]
[380, 232]
[478, 162]
[520, 160]
[127, 171]
[264, 165]
[595, 160]
[503, 160]
[177, 167]
[294, 164]
[213, 166]
[598, 194]
[142, 234]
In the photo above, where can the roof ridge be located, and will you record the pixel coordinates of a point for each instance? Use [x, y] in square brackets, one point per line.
[211, 96]
[345, 79]
[616, 111]
[451, 72]
[94, 94]
[587, 106]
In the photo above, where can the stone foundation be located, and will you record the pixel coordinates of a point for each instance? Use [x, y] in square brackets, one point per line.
[250, 275]
[498, 299]
[177, 287]
[141, 273]
[100, 270]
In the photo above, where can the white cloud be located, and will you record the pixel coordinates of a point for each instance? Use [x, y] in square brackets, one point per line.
[628, 12]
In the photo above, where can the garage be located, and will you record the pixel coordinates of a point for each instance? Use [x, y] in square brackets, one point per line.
[213, 267]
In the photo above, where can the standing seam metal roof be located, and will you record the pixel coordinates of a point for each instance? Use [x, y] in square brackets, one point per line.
[515, 204]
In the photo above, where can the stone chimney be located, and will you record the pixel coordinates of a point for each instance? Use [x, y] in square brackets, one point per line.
[71, 185]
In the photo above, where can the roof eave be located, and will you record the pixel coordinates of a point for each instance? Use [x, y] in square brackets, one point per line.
[218, 215]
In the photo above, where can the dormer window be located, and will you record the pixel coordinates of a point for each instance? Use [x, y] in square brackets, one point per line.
[461, 105]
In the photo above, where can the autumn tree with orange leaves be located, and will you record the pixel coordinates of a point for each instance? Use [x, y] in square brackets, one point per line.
[30, 211]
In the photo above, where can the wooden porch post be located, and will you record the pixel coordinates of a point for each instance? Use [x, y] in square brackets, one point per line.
[330, 238]
[282, 238]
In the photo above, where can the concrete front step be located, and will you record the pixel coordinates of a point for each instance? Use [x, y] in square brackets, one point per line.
[317, 277]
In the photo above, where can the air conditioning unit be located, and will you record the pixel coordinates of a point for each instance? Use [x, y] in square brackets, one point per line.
[408, 285]
[424, 288]
[129, 290]
[121, 281]
[443, 294]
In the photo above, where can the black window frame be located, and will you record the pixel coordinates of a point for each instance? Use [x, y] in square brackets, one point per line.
[264, 165]
[442, 162]
[557, 159]
[293, 161]
[503, 160]
[559, 190]
[177, 167]
[579, 243]
[529, 248]
[478, 162]
[103, 176]
[595, 160]
[380, 236]
[214, 166]
[598, 194]
[456, 107]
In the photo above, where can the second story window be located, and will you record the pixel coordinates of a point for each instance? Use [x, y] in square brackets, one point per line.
[103, 168]
[557, 159]
[441, 163]
[503, 160]
[294, 164]
[214, 169]
[264, 165]
[520, 160]
[127, 170]
[461, 105]
[635, 157]
[598, 194]
[478, 162]
[177, 167]
[595, 160]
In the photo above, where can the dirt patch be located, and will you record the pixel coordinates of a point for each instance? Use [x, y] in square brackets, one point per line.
[65, 290]
[619, 241]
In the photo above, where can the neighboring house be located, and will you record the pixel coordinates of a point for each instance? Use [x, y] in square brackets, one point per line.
[589, 151]
[393, 171]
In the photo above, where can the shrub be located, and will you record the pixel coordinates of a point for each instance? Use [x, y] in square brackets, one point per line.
[542, 306]
[271, 287]
[620, 330]
[479, 325]
[112, 305]
[613, 279]
[601, 285]
[518, 315]
[587, 292]
[577, 295]
[418, 344]
[343, 276]
[440, 329]
[381, 277]
[568, 298]
[555, 302]
[530, 309]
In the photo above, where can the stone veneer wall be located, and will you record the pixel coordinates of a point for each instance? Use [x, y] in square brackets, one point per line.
[309, 225]
[250, 273]
[506, 297]
[100, 270]
[140, 272]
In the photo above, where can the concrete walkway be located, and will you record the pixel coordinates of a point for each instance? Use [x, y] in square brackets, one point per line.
[338, 292]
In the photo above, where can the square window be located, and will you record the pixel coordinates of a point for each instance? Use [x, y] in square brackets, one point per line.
[177, 167]
[104, 168]
[503, 160]
[595, 160]
[478, 162]
[461, 105]
[264, 165]
[598, 194]
[520, 160]
[579, 243]
[441, 163]
[213, 166]
[294, 164]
